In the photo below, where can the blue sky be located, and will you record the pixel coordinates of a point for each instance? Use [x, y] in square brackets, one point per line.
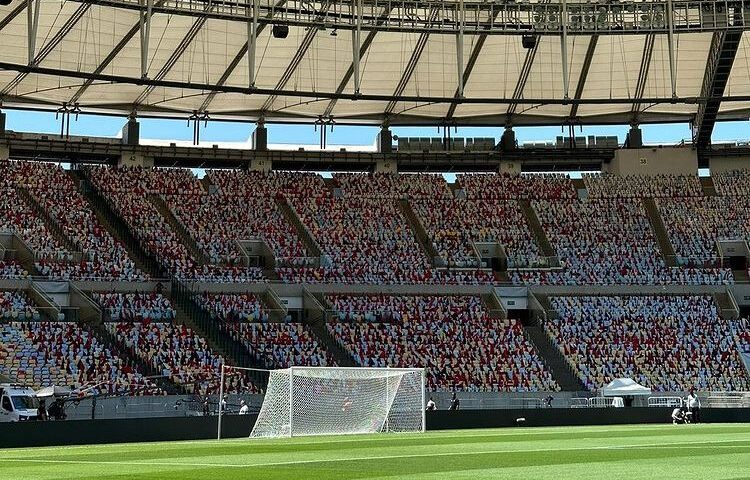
[305, 134]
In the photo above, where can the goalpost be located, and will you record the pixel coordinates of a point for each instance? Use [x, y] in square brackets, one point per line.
[301, 401]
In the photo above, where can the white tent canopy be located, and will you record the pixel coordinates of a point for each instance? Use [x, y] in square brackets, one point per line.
[53, 391]
[624, 387]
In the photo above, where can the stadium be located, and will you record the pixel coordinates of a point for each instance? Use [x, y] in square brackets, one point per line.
[400, 238]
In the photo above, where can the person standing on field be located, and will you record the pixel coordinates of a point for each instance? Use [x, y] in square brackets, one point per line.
[694, 404]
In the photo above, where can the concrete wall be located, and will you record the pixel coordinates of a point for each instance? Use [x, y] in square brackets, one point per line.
[135, 160]
[386, 166]
[724, 164]
[510, 167]
[654, 161]
[260, 165]
[4, 152]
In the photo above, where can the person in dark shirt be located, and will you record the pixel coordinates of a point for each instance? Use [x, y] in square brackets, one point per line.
[455, 403]
[41, 413]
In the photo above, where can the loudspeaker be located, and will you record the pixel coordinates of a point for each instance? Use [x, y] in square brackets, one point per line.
[5, 2]
[634, 138]
[131, 133]
[528, 41]
[2, 124]
[508, 140]
[280, 31]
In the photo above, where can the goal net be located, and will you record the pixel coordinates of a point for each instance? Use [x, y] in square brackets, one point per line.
[341, 400]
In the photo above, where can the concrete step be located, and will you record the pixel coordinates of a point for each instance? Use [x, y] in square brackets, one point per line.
[660, 232]
[117, 227]
[303, 233]
[420, 233]
[535, 225]
[178, 229]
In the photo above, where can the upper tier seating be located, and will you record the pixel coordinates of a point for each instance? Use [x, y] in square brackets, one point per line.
[732, 183]
[455, 225]
[695, 224]
[18, 217]
[461, 346]
[638, 186]
[152, 229]
[63, 353]
[662, 342]
[514, 187]
[104, 258]
[608, 241]
[393, 187]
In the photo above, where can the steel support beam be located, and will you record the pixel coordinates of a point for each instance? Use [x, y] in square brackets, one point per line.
[473, 57]
[584, 74]
[206, 87]
[145, 35]
[350, 71]
[48, 47]
[299, 55]
[252, 36]
[624, 17]
[721, 55]
[528, 61]
[12, 15]
[356, 46]
[233, 64]
[640, 86]
[172, 60]
[670, 44]
[32, 26]
[564, 51]
[460, 49]
[411, 65]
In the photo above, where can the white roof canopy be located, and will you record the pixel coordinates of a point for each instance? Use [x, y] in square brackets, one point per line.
[103, 56]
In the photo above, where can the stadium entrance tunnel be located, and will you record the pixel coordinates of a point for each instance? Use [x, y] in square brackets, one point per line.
[85, 432]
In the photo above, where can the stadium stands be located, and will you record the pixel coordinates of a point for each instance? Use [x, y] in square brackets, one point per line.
[67, 354]
[103, 258]
[640, 186]
[608, 241]
[275, 345]
[17, 306]
[365, 227]
[663, 342]
[462, 347]
[180, 354]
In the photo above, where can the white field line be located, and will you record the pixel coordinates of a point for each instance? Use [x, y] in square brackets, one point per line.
[679, 445]
[499, 432]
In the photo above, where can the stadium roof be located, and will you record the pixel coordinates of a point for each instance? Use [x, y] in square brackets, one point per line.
[582, 61]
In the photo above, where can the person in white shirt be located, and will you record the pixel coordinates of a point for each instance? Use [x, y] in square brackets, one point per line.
[694, 404]
[431, 405]
[244, 409]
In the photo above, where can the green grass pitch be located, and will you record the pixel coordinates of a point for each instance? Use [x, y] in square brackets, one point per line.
[599, 453]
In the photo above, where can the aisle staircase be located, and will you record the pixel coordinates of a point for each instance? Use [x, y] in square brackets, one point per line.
[52, 227]
[221, 342]
[312, 247]
[709, 189]
[117, 227]
[316, 310]
[420, 233]
[540, 237]
[555, 361]
[660, 232]
[182, 234]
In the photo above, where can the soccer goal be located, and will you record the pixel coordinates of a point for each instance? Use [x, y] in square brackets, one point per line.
[341, 400]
